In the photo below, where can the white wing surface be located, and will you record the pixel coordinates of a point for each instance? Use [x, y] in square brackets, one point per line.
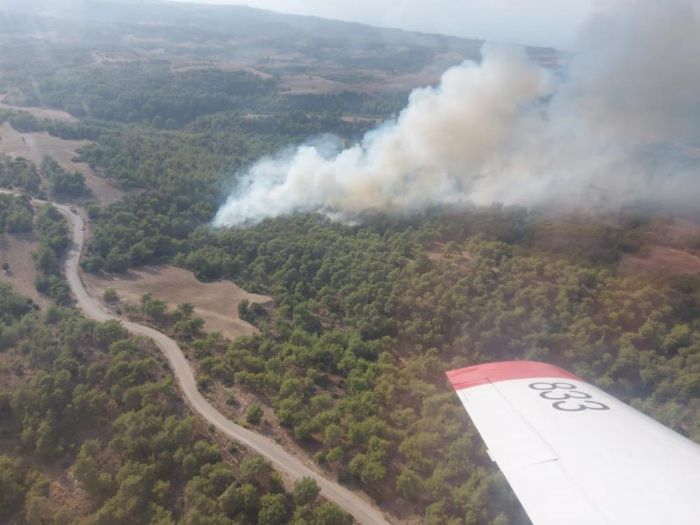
[575, 455]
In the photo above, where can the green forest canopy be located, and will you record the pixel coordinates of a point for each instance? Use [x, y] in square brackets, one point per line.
[101, 406]
[366, 319]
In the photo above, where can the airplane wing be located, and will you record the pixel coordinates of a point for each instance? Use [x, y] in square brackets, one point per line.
[575, 455]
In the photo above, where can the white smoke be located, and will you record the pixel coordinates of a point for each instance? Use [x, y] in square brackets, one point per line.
[620, 124]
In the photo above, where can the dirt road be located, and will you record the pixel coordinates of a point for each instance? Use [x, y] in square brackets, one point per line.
[352, 502]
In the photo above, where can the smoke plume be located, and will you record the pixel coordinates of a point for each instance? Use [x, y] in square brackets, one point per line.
[619, 124]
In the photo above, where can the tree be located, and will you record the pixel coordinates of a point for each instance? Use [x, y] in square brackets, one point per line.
[47, 442]
[12, 486]
[249, 499]
[254, 414]
[230, 501]
[272, 510]
[410, 485]
[188, 328]
[46, 260]
[154, 308]
[37, 509]
[97, 483]
[62, 182]
[184, 311]
[329, 514]
[373, 472]
[110, 295]
[306, 490]
[19, 221]
[243, 309]
[254, 469]
[368, 468]
[110, 331]
[116, 261]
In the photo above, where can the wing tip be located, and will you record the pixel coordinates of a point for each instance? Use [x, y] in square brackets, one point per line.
[471, 376]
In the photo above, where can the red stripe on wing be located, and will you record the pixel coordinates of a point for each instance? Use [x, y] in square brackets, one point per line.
[504, 371]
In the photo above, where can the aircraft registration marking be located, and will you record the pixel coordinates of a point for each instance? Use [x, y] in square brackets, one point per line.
[566, 397]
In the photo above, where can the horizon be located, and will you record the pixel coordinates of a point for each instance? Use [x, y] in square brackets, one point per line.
[535, 23]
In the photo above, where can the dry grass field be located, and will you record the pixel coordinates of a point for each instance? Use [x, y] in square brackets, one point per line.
[217, 303]
[661, 260]
[16, 250]
[34, 146]
[48, 113]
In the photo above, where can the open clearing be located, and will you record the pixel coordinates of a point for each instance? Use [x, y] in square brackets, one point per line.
[216, 303]
[673, 250]
[16, 250]
[661, 259]
[437, 254]
[48, 113]
[682, 231]
[178, 66]
[34, 146]
[374, 82]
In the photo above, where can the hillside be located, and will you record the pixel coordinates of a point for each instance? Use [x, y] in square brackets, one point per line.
[288, 55]
[145, 114]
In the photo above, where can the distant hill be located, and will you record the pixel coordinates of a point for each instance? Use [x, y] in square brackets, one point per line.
[309, 54]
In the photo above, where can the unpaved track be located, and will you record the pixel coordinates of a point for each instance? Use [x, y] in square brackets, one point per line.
[355, 503]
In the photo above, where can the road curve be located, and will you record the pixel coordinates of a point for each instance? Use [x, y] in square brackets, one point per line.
[354, 503]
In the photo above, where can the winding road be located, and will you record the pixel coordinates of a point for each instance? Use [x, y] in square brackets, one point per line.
[355, 503]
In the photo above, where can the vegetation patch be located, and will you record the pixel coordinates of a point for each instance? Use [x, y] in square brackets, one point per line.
[97, 407]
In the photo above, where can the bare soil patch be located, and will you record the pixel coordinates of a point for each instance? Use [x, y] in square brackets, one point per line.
[216, 303]
[34, 146]
[382, 81]
[356, 119]
[371, 80]
[16, 250]
[47, 113]
[65, 493]
[179, 66]
[298, 84]
[661, 260]
[437, 253]
[682, 232]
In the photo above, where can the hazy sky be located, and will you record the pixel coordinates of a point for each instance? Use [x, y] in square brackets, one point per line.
[540, 22]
